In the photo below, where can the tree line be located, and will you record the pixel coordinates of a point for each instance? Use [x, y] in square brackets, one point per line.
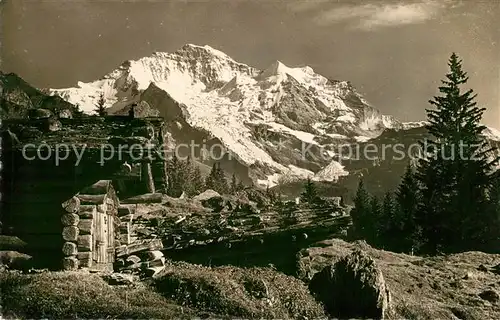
[449, 200]
[184, 176]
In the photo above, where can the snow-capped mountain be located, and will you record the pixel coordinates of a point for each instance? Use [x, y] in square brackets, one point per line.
[264, 118]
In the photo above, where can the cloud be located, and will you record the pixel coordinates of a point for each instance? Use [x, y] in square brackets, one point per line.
[305, 5]
[372, 16]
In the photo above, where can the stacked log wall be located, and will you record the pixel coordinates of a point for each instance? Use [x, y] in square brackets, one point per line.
[35, 188]
[90, 229]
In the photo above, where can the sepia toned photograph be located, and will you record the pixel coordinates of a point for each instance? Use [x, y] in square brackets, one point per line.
[250, 159]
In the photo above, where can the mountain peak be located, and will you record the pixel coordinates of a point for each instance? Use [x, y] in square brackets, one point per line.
[240, 105]
[205, 49]
[277, 68]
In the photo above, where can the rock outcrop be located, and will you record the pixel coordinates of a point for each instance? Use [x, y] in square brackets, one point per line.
[15, 260]
[210, 199]
[353, 287]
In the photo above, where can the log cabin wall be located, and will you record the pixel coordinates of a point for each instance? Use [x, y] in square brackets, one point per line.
[90, 227]
[34, 187]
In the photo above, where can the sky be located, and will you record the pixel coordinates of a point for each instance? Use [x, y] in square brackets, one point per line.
[394, 52]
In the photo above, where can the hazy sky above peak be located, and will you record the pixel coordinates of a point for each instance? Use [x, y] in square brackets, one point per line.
[394, 52]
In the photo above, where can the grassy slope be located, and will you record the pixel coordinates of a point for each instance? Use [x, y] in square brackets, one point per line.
[182, 291]
[66, 295]
[239, 292]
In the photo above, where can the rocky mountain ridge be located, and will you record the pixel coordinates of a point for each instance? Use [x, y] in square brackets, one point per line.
[264, 118]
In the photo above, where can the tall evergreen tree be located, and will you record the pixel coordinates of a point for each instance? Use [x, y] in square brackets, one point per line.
[271, 195]
[402, 225]
[360, 214]
[309, 194]
[216, 180]
[187, 174]
[234, 185]
[175, 177]
[78, 112]
[210, 179]
[197, 181]
[240, 186]
[373, 235]
[454, 172]
[100, 108]
[222, 184]
[493, 231]
[388, 206]
[385, 221]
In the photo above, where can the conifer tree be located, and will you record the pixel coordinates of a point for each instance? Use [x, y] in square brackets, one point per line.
[216, 180]
[210, 179]
[375, 213]
[388, 206]
[309, 194]
[197, 181]
[493, 232]
[454, 172]
[279, 200]
[403, 220]
[385, 221]
[234, 185]
[78, 112]
[240, 186]
[271, 195]
[175, 177]
[360, 214]
[187, 175]
[221, 180]
[100, 106]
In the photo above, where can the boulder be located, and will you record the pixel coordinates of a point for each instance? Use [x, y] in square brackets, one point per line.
[206, 195]
[53, 124]
[39, 114]
[65, 114]
[353, 287]
[490, 295]
[15, 260]
[421, 287]
[11, 243]
[249, 207]
[119, 279]
[154, 254]
[211, 199]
